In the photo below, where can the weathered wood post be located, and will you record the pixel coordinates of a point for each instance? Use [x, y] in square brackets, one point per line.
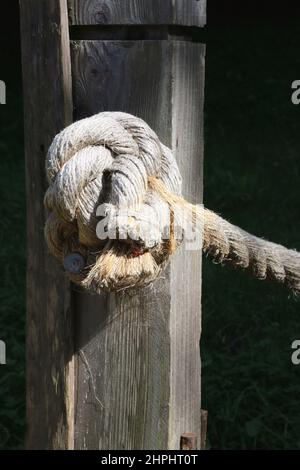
[115, 371]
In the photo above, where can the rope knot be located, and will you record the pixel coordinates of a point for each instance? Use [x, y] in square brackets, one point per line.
[102, 205]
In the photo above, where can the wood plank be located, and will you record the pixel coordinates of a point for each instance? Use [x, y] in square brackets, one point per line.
[186, 269]
[139, 12]
[48, 108]
[138, 361]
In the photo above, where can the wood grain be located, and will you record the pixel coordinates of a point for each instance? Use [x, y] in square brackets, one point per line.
[48, 108]
[138, 361]
[128, 12]
[185, 278]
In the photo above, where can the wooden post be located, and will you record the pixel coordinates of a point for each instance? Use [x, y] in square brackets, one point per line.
[48, 108]
[136, 354]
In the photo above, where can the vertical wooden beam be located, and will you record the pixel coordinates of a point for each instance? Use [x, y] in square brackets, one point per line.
[47, 109]
[137, 353]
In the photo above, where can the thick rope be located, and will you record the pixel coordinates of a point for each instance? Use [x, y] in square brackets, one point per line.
[227, 243]
[116, 213]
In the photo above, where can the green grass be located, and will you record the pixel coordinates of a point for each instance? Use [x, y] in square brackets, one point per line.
[252, 166]
[12, 258]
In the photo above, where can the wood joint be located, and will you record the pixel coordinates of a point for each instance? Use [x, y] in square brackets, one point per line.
[135, 33]
[188, 441]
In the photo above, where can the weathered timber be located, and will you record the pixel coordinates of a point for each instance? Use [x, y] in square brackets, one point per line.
[47, 109]
[138, 360]
[129, 12]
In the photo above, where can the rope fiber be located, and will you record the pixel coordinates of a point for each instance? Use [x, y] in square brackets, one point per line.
[116, 212]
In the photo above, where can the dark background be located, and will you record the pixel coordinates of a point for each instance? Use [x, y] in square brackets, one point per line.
[252, 166]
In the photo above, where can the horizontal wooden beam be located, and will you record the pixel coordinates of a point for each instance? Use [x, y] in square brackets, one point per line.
[128, 12]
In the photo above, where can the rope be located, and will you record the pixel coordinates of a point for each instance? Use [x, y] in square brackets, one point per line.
[116, 214]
